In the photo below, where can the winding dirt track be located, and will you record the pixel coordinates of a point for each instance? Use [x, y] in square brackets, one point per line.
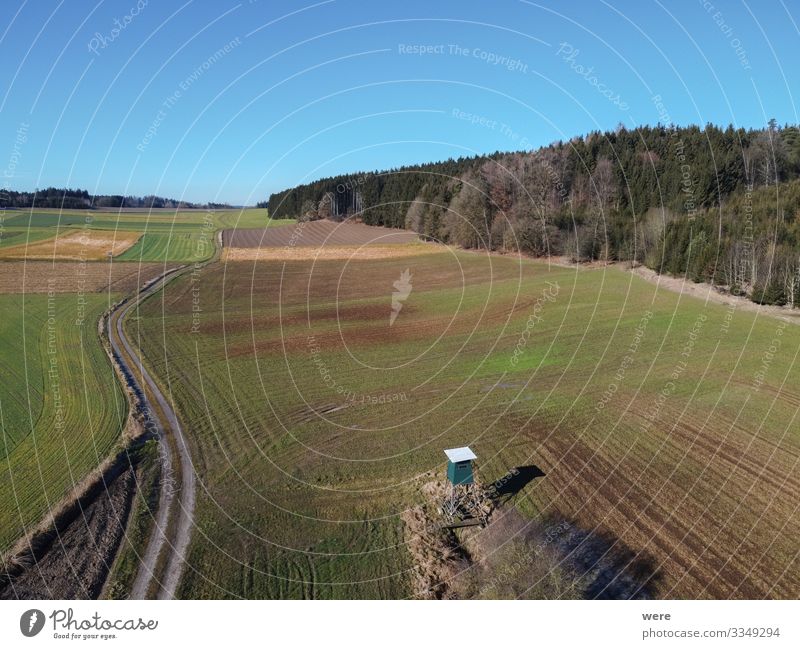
[184, 514]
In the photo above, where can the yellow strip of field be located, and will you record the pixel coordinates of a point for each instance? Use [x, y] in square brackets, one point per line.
[78, 245]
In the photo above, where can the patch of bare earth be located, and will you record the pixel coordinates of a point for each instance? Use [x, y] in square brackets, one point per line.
[514, 557]
[77, 245]
[327, 252]
[69, 557]
[74, 277]
[317, 233]
[437, 559]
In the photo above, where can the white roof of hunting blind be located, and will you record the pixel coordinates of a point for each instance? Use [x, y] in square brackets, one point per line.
[462, 454]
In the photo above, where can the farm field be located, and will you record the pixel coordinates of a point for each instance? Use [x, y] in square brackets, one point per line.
[134, 219]
[129, 235]
[175, 246]
[12, 238]
[70, 277]
[75, 245]
[662, 423]
[316, 233]
[61, 407]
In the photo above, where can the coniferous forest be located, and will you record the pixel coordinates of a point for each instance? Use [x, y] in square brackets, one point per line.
[716, 205]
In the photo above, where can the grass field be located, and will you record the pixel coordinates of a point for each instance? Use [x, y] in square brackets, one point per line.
[61, 407]
[138, 220]
[664, 424]
[13, 237]
[177, 246]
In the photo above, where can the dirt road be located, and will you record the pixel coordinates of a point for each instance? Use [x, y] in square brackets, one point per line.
[163, 420]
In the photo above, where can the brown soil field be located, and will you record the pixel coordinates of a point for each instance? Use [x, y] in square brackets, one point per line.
[72, 277]
[367, 251]
[88, 245]
[317, 233]
[72, 560]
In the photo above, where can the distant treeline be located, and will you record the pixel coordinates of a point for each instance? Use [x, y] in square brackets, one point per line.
[80, 199]
[719, 205]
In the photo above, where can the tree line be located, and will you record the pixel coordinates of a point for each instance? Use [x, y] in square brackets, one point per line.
[80, 199]
[718, 205]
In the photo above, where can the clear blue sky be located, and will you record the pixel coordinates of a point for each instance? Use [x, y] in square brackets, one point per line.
[308, 89]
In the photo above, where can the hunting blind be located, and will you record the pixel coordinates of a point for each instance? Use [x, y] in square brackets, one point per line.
[459, 465]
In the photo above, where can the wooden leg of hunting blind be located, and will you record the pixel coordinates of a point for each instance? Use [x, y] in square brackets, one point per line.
[465, 505]
[451, 504]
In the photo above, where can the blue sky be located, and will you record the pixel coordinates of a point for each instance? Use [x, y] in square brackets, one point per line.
[229, 101]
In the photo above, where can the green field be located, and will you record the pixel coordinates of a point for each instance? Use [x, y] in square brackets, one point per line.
[682, 451]
[177, 246]
[21, 235]
[109, 220]
[184, 236]
[46, 451]
[61, 407]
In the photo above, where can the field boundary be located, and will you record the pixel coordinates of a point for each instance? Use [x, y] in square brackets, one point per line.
[30, 548]
[675, 284]
[709, 293]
